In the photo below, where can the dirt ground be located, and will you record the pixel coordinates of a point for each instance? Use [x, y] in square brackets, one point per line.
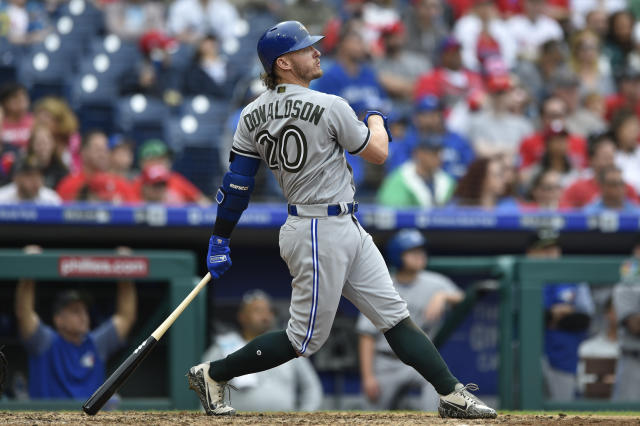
[181, 418]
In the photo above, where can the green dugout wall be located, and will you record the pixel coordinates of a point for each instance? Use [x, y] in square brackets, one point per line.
[186, 337]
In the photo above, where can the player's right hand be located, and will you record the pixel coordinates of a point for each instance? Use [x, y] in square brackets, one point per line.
[218, 259]
[371, 388]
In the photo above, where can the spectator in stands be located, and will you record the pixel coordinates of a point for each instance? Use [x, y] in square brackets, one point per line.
[42, 146]
[154, 186]
[555, 158]
[69, 360]
[153, 75]
[293, 386]
[427, 120]
[537, 74]
[482, 31]
[612, 194]
[625, 129]
[568, 309]
[17, 122]
[603, 346]
[313, 13]
[626, 301]
[450, 81]
[210, 73]
[593, 69]
[619, 42]
[602, 152]
[398, 68]
[385, 379]
[580, 9]
[154, 151]
[130, 19]
[350, 77]
[628, 94]
[27, 185]
[496, 130]
[483, 186]
[580, 121]
[421, 180]
[95, 161]
[425, 28]
[55, 114]
[21, 30]
[532, 147]
[533, 28]
[121, 156]
[597, 20]
[190, 20]
[545, 192]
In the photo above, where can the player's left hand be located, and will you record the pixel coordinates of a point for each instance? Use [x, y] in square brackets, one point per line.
[218, 259]
[385, 119]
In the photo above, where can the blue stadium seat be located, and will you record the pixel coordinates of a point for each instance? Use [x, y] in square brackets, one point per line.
[122, 54]
[141, 117]
[197, 151]
[213, 112]
[44, 73]
[93, 99]
[89, 18]
[182, 57]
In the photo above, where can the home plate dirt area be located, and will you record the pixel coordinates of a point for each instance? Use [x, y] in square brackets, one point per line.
[175, 418]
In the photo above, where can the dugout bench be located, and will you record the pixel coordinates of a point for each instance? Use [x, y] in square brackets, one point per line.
[186, 337]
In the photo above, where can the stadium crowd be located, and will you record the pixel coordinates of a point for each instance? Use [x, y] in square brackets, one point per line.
[505, 104]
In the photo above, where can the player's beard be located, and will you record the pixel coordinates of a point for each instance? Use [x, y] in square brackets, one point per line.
[307, 73]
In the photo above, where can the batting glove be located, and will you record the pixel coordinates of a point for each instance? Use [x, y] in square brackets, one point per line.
[218, 259]
[385, 119]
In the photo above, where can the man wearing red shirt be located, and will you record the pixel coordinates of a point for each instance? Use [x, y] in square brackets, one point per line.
[153, 152]
[602, 152]
[628, 96]
[532, 147]
[95, 161]
[450, 82]
[17, 123]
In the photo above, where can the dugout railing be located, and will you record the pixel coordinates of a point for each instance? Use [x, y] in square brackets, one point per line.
[532, 275]
[186, 337]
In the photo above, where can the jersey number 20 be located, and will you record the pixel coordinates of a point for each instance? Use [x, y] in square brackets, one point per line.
[288, 150]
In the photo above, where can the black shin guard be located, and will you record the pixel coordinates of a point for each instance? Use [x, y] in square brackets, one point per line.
[414, 348]
[262, 353]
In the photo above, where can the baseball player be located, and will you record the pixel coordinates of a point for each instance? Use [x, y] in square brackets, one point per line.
[302, 136]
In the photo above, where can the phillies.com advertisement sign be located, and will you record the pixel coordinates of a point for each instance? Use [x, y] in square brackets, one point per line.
[103, 266]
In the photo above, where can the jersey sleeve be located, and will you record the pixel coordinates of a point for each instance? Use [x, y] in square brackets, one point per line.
[40, 341]
[106, 339]
[345, 128]
[242, 142]
[365, 326]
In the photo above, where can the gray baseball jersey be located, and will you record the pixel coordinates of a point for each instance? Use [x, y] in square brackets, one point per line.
[417, 294]
[301, 135]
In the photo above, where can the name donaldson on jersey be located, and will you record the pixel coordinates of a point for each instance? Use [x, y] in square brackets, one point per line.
[294, 109]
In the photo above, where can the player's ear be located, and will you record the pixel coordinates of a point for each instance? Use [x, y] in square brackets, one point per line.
[283, 62]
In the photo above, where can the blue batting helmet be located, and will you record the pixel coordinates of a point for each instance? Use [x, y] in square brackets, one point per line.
[402, 241]
[285, 37]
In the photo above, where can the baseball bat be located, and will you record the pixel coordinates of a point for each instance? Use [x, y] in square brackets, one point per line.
[92, 405]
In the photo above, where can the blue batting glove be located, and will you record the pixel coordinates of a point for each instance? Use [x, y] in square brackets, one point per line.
[384, 118]
[218, 259]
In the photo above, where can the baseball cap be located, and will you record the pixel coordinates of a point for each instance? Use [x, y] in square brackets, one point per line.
[565, 80]
[430, 142]
[155, 173]
[67, 297]
[449, 43]
[152, 40]
[396, 27]
[153, 148]
[26, 164]
[117, 140]
[498, 83]
[253, 295]
[427, 103]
